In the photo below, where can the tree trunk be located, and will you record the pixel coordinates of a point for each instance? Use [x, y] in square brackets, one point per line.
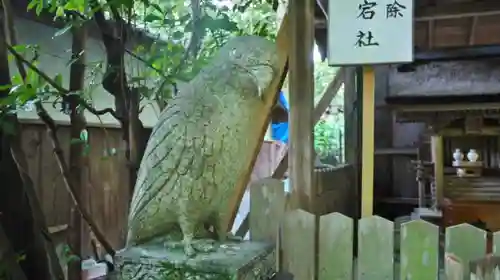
[76, 151]
[22, 216]
[16, 215]
[115, 82]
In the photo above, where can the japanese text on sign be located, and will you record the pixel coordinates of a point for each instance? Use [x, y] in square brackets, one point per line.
[367, 11]
[379, 26]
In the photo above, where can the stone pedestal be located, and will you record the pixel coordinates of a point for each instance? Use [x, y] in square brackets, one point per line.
[218, 261]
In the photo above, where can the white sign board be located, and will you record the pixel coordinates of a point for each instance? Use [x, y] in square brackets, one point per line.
[370, 31]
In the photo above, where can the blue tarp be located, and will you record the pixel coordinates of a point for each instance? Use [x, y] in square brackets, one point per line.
[279, 131]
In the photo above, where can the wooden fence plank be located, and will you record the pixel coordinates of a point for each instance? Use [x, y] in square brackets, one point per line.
[485, 269]
[107, 190]
[376, 242]
[419, 250]
[466, 242]
[298, 244]
[335, 249]
[267, 207]
[454, 268]
[496, 243]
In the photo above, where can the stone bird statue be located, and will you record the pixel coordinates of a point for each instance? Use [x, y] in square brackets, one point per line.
[200, 146]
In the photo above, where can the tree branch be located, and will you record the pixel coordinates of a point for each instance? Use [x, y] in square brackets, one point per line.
[20, 61]
[76, 150]
[42, 238]
[58, 152]
[192, 49]
[115, 82]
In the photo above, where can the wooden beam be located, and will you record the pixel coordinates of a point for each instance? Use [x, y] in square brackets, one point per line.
[437, 154]
[352, 133]
[449, 11]
[458, 10]
[301, 138]
[425, 108]
[301, 95]
[367, 141]
[328, 95]
[270, 97]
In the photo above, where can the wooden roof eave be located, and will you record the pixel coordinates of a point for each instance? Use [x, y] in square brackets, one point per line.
[428, 113]
[445, 24]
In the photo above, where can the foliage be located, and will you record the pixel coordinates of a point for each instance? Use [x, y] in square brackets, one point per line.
[171, 42]
[161, 60]
[167, 42]
[65, 253]
[328, 132]
[172, 22]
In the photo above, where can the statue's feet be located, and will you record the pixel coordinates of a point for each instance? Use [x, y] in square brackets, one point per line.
[189, 250]
[231, 237]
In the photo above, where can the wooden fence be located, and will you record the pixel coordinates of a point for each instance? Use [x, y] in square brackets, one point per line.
[106, 189]
[323, 245]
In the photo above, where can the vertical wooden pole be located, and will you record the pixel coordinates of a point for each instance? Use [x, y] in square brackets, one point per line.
[301, 90]
[437, 154]
[368, 141]
[301, 152]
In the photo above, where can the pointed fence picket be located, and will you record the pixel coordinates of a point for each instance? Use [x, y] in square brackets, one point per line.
[311, 245]
[376, 242]
[465, 246]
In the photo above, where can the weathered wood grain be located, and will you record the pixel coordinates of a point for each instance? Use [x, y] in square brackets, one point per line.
[267, 207]
[376, 242]
[298, 244]
[485, 269]
[107, 189]
[419, 250]
[467, 243]
[335, 247]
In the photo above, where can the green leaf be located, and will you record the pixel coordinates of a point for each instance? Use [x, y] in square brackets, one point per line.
[60, 11]
[84, 135]
[32, 4]
[39, 9]
[6, 87]
[178, 35]
[167, 21]
[153, 18]
[156, 7]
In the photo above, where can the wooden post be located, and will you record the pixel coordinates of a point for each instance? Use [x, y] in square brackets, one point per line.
[270, 97]
[328, 95]
[368, 141]
[301, 91]
[437, 154]
[301, 156]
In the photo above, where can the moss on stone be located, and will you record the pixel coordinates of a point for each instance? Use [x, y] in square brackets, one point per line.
[221, 261]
